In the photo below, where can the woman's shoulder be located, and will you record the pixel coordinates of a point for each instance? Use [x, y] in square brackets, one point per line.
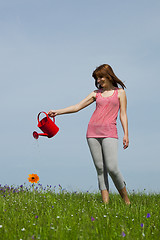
[94, 93]
[121, 92]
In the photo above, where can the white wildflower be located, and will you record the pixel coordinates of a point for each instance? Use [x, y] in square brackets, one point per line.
[23, 229]
[0, 226]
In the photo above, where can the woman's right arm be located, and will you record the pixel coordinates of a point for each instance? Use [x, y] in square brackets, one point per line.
[75, 108]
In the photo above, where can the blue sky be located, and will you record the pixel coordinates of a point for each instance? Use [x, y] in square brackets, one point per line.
[48, 51]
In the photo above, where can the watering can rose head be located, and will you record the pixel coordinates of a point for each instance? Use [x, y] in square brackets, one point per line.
[48, 127]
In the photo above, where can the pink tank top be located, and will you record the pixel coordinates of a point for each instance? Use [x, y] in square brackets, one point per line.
[104, 119]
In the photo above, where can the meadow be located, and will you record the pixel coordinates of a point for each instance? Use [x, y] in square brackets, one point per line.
[38, 212]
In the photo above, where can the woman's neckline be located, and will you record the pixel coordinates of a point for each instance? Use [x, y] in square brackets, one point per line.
[108, 96]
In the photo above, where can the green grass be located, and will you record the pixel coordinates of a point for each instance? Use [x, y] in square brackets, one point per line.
[45, 214]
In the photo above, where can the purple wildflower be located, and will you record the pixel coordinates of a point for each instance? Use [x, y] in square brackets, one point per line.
[148, 215]
[92, 219]
[142, 225]
[123, 234]
[36, 216]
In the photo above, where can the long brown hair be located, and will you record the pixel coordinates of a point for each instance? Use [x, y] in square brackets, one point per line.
[106, 71]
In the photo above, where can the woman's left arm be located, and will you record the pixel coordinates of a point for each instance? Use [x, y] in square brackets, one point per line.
[123, 116]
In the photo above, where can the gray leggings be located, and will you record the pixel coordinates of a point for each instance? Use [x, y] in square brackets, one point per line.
[104, 153]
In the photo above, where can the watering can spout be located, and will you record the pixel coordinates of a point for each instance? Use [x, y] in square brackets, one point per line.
[36, 135]
[48, 127]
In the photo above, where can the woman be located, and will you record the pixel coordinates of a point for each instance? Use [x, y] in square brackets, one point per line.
[102, 135]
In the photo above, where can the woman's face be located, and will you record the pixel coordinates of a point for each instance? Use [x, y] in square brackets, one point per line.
[104, 82]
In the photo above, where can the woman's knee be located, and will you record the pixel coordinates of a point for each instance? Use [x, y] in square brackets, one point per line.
[113, 171]
[99, 169]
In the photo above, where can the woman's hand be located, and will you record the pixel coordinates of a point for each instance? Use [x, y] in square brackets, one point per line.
[125, 142]
[52, 113]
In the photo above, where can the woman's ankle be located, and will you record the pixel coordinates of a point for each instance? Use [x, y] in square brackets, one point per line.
[105, 196]
[124, 195]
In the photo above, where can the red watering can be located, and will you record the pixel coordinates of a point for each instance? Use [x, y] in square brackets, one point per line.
[48, 127]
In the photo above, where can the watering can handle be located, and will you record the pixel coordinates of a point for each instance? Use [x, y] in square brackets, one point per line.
[46, 115]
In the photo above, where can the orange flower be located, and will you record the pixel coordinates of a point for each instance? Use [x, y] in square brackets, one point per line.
[33, 178]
